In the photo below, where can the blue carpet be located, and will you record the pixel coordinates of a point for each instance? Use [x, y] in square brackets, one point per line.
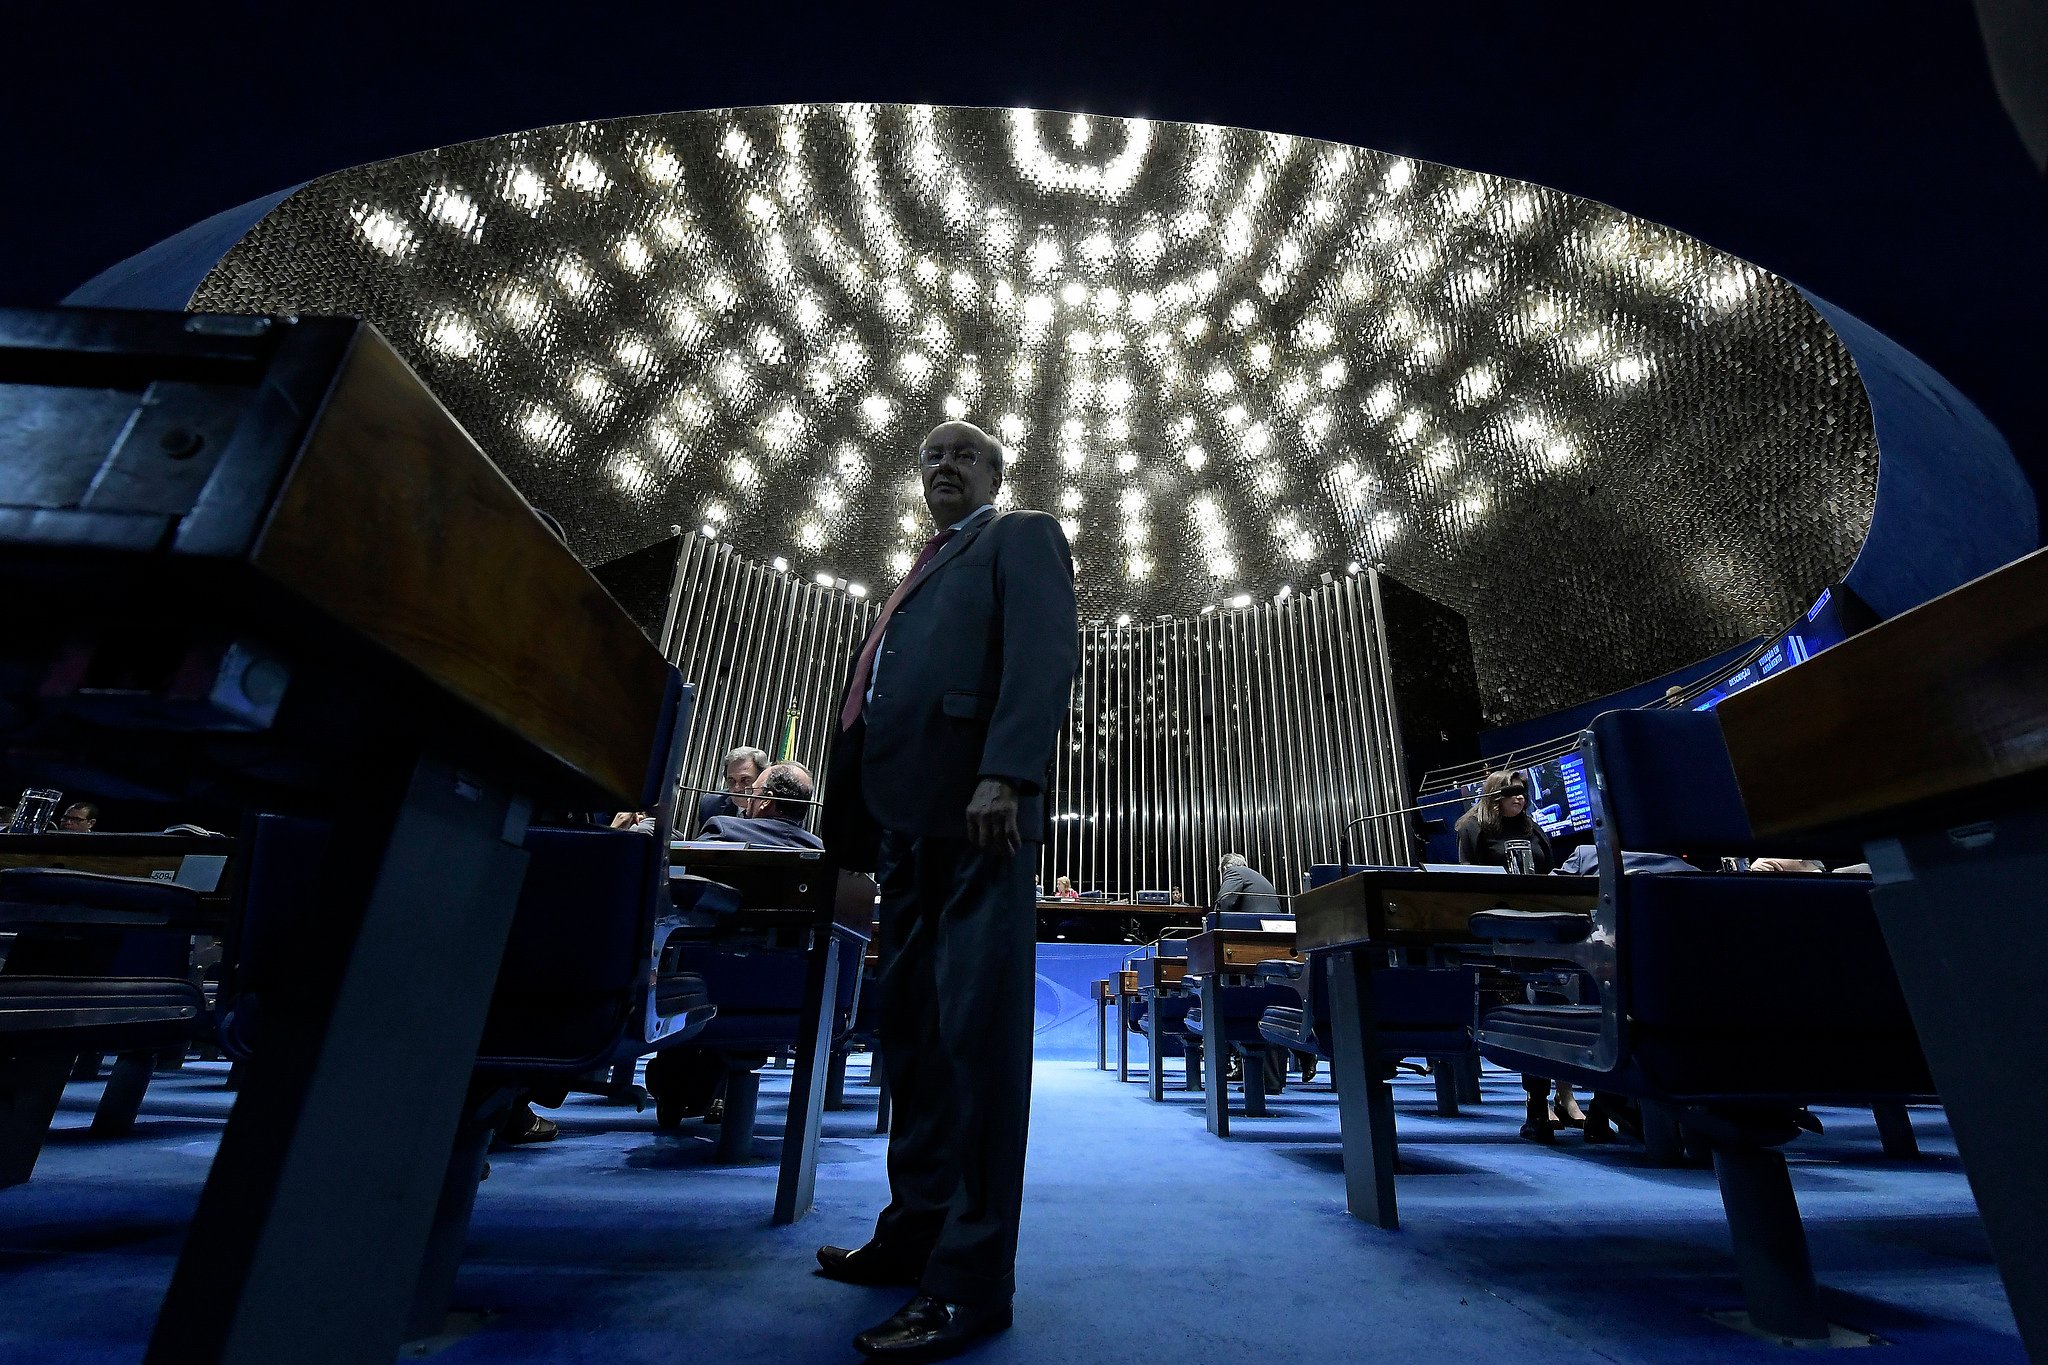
[1145, 1239]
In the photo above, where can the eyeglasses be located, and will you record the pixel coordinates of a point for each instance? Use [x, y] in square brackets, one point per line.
[964, 456]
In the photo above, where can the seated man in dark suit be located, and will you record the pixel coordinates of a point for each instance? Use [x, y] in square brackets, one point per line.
[1244, 890]
[742, 769]
[772, 813]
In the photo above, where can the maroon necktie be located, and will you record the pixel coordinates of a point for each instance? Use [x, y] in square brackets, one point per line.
[857, 695]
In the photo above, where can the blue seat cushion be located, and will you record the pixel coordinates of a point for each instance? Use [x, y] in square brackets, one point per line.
[1288, 1026]
[680, 992]
[1243, 1006]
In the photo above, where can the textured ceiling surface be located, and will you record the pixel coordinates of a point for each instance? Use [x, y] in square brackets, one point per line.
[1230, 361]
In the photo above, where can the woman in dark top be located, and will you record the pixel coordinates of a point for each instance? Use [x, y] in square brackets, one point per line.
[1498, 829]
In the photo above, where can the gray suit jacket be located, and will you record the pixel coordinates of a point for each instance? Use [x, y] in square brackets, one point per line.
[711, 805]
[973, 681]
[769, 832]
[1244, 890]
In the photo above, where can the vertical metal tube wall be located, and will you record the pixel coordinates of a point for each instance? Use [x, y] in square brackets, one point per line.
[1262, 731]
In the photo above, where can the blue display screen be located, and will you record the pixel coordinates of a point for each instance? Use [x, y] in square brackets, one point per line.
[1557, 795]
[1821, 628]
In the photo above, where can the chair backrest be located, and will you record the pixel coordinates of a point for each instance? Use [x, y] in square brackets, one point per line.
[1659, 781]
[1662, 781]
[590, 909]
[1247, 919]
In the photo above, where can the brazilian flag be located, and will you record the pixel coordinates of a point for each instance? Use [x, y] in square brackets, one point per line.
[785, 747]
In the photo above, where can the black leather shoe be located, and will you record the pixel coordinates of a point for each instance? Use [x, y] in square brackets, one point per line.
[867, 1265]
[931, 1329]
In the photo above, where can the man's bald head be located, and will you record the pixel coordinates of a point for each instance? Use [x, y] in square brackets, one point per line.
[962, 467]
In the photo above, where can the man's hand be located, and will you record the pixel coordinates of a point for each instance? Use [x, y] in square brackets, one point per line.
[992, 817]
[626, 819]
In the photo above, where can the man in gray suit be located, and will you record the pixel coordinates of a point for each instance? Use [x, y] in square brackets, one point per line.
[772, 814]
[1245, 890]
[938, 782]
[742, 769]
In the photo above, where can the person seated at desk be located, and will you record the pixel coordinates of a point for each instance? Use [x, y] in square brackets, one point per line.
[1063, 890]
[1584, 861]
[772, 812]
[1244, 889]
[690, 1082]
[743, 768]
[1498, 830]
[1787, 865]
[78, 818]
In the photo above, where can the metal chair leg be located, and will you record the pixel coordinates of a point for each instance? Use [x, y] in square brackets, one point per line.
[1444, 1071]
[30, 1090]
[1770, 1244]
[1895, 1131]
[121, 1101]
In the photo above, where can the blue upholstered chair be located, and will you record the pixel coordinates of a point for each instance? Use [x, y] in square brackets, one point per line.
[100, 964]
[1418, 1012]
[577, 987]
[757, 985]
[1733, 999]
[1242, 1004]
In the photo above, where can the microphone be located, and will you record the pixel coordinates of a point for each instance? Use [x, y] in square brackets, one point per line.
[1344, 841]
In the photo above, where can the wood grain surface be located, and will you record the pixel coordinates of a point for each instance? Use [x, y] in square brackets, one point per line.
[1933, 704]
[395, 524]
[1416, 908]
[1230, 949]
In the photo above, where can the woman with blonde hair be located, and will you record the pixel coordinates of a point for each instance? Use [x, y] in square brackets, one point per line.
[1499, 831]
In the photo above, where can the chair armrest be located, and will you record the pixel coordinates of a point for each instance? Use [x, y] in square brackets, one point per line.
[16, 916]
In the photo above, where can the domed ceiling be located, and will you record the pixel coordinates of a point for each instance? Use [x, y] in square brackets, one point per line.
[1232, 362]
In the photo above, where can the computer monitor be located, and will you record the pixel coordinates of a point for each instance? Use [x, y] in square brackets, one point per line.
[1557, 795]
[1833, 618]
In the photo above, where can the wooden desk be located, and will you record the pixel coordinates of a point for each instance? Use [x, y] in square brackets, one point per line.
[1424, 909]
[255, 560]
[1212, 955]
[187, 859]
[1343, 924]
[1223, 951]
[1102, 921]
[1926, 738]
